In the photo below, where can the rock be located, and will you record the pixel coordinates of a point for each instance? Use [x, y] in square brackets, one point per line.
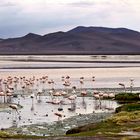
[60, 109]
[73, 131]
[2, 129]
[19, 131]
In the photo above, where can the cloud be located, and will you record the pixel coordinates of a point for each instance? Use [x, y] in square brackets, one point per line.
[82, 4]
[19, 17]
[6, 3]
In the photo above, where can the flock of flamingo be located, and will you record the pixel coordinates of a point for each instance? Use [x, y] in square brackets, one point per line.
[36, 87]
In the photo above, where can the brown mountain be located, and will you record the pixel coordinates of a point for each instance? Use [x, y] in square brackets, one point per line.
[80, 40]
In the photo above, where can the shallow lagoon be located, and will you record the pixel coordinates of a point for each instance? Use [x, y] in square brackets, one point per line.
[107, 75]
[41, 111]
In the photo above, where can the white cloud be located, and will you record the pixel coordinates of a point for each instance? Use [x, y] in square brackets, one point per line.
[43, 16]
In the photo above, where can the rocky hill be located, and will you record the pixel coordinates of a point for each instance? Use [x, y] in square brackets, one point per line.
[80, 40]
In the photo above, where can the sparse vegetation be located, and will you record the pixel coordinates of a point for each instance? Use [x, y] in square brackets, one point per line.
[127, 119]
[4, 134]
[127, 97]
[7, 135]
[114, 126]
[124, 117]
[128, 107]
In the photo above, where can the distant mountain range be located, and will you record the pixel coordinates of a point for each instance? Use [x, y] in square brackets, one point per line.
[80, 40]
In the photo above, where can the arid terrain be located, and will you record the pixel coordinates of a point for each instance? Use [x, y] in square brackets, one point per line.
[80, 40]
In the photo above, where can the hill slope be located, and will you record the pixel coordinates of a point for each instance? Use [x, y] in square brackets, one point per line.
[80, 40]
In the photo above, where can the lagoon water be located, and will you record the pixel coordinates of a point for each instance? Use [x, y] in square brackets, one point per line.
[108, 70]
[43, 112]
[107, 75]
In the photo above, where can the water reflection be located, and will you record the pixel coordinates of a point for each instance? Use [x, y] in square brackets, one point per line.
[34, 112]
[43, 101]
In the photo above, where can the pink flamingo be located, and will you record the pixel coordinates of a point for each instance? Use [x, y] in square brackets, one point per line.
[72, 98]
[131, 84]
[59, 115]
[123, 85]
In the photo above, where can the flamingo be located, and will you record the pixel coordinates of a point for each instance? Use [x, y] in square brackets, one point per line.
[2, 94]
[59, 115]
[93, 79]
[39, 93]
[5, 85]
[131, 84]
[14, 107]
[63, 93]
[1, 89]
[62, 78]
[55, 101]
[101, 94]
[111, 95]
[9, 94]
[83, 93]
[67, 84]
[32, 97]
[9, 90]
[57, 94]
[72, 98]
[51, 82]
[96, 94]
[123, 85]
[105, 95]
[15, 81]
[81, 82]
[67, 77]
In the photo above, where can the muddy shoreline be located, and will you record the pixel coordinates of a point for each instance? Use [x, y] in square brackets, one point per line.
[59, 128]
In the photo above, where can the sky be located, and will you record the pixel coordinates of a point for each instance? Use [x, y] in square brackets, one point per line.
[20, 17]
